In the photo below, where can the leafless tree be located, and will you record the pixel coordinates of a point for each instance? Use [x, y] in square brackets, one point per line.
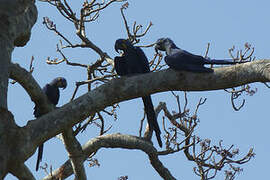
[18, 144]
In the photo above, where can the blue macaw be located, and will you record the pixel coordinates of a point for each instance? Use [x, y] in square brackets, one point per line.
[133, 61]
[180, 59]
[52, 92]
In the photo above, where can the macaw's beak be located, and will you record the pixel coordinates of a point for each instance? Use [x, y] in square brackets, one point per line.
[63, 83]
[156, 48]
[116, 47]
[120, 44]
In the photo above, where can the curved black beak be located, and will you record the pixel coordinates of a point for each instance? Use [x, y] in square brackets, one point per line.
[116, 47]
[156, 48]
[63, 84]
[120, 44]
[160, 45]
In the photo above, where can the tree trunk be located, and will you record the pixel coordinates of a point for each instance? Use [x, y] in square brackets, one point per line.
[16, 20]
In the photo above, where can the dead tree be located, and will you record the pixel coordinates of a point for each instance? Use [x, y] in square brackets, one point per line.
[105, 91]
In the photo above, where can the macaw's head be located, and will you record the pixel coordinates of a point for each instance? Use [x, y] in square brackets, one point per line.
[59, 82]
[163, 43]
[122, 44]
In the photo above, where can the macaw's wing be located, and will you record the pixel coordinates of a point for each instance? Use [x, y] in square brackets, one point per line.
[52, 93]
[143, 60]
[137, 62]
[120, 65]
[199, 60]
[189, 58]
[183, 64]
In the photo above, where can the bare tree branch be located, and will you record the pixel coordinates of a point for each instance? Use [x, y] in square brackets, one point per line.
[117, 141]
[133, 37]
[138, 86]
[75, 154]
[27, 81]
[53, 123]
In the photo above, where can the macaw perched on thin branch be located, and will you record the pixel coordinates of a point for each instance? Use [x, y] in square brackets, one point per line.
[52, 92]
[133, 61]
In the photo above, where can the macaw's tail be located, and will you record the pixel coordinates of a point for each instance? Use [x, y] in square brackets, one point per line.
[229, 61]
[39, 158]
[151, 117]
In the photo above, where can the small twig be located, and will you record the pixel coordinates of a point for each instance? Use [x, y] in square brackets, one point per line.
[157, 67]
[133, 37]
[146, 46]
[207, 50]
[266, 85]
[141, 124]
[240, 56]
[186, 101]
[102, 124]
[74, 93]
[125, 6]
[233, 104]
[201, 102]
[51, 26]
[31, 69]
[56, 62]
[144, 33]
[101, 78]
[104, 6]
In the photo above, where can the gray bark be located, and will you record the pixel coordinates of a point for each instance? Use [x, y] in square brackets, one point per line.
[123, 89]
[116, 141]
[75, 154]
[16, 20]
[117, 90]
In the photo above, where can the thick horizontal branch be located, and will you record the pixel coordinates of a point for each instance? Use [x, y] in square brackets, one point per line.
[116, 141]
[126, 88]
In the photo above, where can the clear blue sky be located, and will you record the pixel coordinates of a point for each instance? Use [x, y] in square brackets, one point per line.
[191, 24]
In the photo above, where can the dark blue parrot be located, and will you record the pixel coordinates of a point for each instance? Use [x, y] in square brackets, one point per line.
[133, 61]
[179, 59]
[52, 92]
